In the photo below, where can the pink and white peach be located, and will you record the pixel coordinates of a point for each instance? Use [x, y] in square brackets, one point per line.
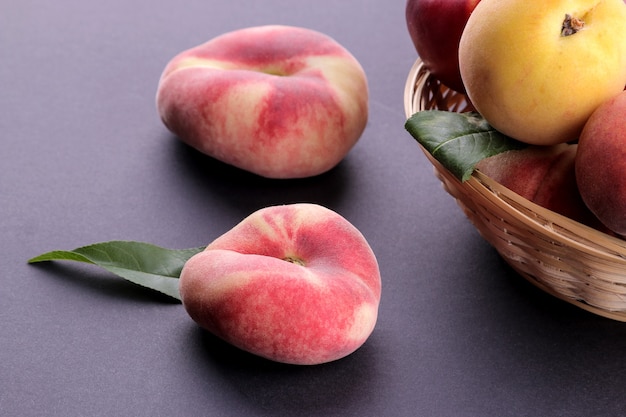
[278, 101]
[296, 284]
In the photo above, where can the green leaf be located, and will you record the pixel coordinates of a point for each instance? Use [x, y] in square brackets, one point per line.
[458, 140]
[141, 263]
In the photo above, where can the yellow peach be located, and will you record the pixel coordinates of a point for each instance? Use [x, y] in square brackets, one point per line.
[536, 70]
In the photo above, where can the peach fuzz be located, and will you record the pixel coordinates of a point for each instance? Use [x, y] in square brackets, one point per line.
[278, 101]
[296, 284]
[601, 163]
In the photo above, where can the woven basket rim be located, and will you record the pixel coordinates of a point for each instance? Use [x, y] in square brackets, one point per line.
[572, 236]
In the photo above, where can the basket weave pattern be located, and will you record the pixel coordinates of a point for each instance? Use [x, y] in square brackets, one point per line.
[569, 260]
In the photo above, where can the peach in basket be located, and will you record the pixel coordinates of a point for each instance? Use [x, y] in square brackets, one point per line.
[570, 260]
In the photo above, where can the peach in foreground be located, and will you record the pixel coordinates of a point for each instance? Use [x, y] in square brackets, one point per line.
[296, 284]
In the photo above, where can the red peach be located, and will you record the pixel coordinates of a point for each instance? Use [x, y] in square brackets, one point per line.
[278, 101]
[435, 27]
[544, 175]
[296, 284]
[601, 163]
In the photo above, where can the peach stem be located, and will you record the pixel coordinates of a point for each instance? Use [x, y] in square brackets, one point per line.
[571, 25]
[294, 260]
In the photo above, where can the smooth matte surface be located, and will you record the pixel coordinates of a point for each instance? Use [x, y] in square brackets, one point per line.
[85, 159]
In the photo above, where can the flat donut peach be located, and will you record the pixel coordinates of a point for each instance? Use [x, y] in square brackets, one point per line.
[278, 101]
[296, 284]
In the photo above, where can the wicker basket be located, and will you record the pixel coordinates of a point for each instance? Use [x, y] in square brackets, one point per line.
[569, 260]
